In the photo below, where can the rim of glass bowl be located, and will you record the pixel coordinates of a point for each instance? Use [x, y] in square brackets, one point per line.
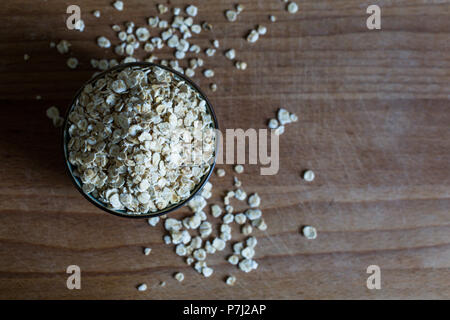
[122, 213]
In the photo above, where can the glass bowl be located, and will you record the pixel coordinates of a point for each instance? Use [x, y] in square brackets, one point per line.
[122, 213]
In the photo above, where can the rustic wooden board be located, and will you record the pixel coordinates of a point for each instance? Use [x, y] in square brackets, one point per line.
[374, 125]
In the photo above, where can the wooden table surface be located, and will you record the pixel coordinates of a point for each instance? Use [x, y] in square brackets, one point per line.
[374, 125]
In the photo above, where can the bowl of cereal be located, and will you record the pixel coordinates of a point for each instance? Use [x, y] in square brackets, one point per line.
[139, 140]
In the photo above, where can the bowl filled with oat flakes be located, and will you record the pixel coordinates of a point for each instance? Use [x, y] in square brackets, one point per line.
[139, 140]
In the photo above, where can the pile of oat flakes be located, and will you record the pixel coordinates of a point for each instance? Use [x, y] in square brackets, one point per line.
[195, 248]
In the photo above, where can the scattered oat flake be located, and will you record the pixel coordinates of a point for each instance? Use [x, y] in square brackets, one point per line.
[233, 259]
[279, 131]
[283, 116]
[231, 15]
[207, 272]
[260, 224]
[231, 280]
[230, 54]
[247, 229]
[96, 13]
[251, 242]
[210, 52]
[239, 168]
[220, 172]
[142, 34]
[309, 232]
[216, 211]
[240, 194]
[179, 276]
[162, 8]
[262, 30]
[26, 57]
[219, 244]
[293, 117]
[254, 200]
[240, 218]
[153, 221]
[253, 214]
[79, 25]
[52, 112]
[253, 36]
[241, 65]
[247, 265]
[229, 217]
[142, 287]
[118, 5]
[192, 10]
[273, 124]
[72, 62]
[248, 252]
[58, 122]
[237, 247]
[63, 46]
[292, 7]
[208, 73]
[207, 26]
[103, 42]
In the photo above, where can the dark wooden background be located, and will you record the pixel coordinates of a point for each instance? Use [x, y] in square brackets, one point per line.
[374, 125]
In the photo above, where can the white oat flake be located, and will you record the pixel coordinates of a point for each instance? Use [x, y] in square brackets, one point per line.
[308, 175]
[231, 280]
[72, 62]
[254, 200]
[253, 36]
[230, 54]
[153, 221]
[142, 287]
[283, 116]
[220, 172]
[231, 15]
[292, 7]
[103, 42]
[309, 232]
[216, 211]
[179, 276]
[208, 73]
[192, 10]
[118, 5]
[239, 168]
[273, 124]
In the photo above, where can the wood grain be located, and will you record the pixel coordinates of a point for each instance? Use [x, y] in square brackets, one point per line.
[374, 125]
